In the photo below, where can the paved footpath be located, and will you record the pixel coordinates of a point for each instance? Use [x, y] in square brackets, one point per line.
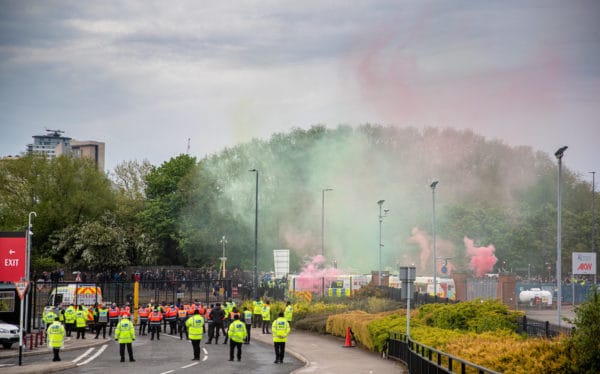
[326, 354]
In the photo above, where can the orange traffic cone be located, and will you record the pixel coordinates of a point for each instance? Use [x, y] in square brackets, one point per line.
[348, 343]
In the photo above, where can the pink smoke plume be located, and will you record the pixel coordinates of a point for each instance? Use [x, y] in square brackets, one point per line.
[421, 238]
[311, 276]
[482, 258]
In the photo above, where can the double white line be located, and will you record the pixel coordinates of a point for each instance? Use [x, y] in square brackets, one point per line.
[87, 353]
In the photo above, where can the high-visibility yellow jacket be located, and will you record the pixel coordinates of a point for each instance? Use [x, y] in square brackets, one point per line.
[289, 312]
[125, 332]
[237, 331]
[257, 306]
[80, 318]
[280, 330]
[195, 327]
[266, 312]
[55, 335]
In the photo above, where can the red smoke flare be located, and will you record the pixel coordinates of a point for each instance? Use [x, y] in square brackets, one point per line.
[482, 258]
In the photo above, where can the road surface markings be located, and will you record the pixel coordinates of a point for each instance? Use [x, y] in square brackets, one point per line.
[94, 355]
[3, 365]
[167, 372]
[85, 354]
[205, 354]
[189, 366]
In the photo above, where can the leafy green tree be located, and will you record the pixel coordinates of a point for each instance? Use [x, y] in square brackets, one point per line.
[584, 341]
[161, 214]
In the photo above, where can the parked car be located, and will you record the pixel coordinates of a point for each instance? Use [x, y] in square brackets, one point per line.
[9, 334]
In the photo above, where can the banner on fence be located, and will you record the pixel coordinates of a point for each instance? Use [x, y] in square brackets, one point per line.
[282, 262]
[584, 263]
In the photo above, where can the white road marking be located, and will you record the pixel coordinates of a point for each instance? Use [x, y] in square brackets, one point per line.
[167, 372]
[3, 365]
[189, 366]
[205, 354]
[94, 355]
[85, 354]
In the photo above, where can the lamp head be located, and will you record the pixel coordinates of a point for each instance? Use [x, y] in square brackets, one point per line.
[380, 202]
[560, 151]
[434, 184]
[253, 170]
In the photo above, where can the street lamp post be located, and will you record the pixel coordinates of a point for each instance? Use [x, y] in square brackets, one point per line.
[223, 258]
[593, 216]
[323, 220]
[381, 216]
[433, 185]
[255, 276]
[559, 155]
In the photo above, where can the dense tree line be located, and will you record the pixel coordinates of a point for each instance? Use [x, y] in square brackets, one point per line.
[176, 213]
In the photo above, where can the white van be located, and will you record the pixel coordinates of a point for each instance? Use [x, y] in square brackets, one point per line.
[75, 293]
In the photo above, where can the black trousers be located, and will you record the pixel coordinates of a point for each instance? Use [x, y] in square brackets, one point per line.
[266, 327]
[257, 320]
[143, 324]
[112, 323]
[232, 346]
[101, 326]
[248, 329]
[196, 348]
[154, 329]
[211, 331]
[56, 356]
[219, 327]
[81, 332]
[129, 351]
[69, 327]
[182, 329]
[279, 351]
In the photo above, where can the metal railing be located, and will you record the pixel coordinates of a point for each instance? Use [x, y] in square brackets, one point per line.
[420, 358]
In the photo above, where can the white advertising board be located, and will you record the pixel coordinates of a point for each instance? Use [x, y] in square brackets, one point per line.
[584, 263]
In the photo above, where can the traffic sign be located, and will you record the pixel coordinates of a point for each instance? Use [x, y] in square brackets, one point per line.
[13, 248]
[21, 288]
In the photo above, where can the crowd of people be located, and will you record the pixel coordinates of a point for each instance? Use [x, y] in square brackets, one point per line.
[189, 321]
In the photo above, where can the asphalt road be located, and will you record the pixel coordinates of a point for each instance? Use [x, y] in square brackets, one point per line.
[169, 355]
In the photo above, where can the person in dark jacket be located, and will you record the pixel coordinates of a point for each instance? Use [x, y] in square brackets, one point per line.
[217, 315]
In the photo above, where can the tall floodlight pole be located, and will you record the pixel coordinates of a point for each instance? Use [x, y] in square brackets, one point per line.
[323, 219]
[380, 202]
[559, 156]
[223, 258]
[24, 315]
[433, 185]
[593, 216]
[255, 276]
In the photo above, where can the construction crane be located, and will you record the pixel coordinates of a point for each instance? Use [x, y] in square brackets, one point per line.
[54, 132]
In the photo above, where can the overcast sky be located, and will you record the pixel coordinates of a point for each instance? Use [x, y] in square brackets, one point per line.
[144, 76]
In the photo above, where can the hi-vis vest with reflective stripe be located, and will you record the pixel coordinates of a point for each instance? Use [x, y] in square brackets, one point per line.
[55, 335]
[195, 327]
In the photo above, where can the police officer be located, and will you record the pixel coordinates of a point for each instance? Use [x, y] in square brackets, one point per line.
[237, 334]
[289, 312]
[281, 329]
[143, 313]
[266, 317]
[210, 324]
[70, 319]
[258, 304]
[248, 321]
[49, 316]
[195, 328]
[125, 335]
[102, 321]
[55, 336]
[80, 321]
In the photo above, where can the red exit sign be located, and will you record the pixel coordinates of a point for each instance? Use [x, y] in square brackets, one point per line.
[13, 248]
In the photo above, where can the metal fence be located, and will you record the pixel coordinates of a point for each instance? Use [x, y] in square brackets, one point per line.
[543, 329]
[420, 358]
